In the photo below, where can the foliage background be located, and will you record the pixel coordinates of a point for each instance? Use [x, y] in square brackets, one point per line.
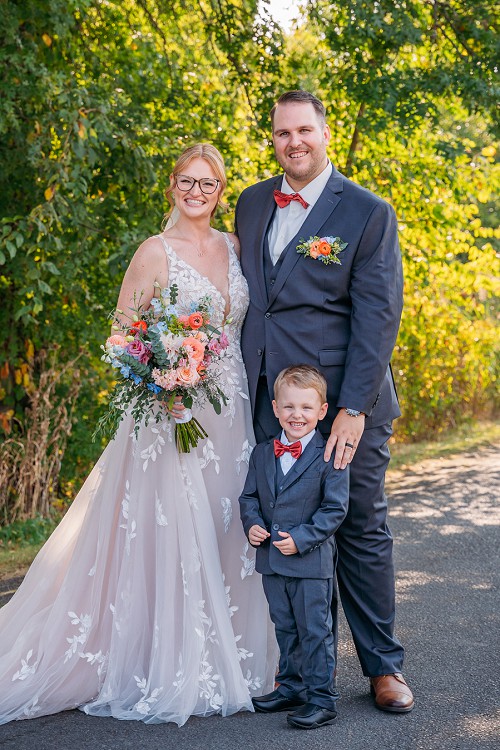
[99, 97]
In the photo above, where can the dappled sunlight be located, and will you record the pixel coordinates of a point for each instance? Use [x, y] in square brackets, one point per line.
[482, 726]
[430, 493]
[408, 578]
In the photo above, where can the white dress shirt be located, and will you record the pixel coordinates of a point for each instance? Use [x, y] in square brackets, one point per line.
[287, 460]
[288, 220]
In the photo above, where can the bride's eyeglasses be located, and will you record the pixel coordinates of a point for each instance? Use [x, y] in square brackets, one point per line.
[208, 185]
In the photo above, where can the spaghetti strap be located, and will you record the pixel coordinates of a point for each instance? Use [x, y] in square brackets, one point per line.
[229, 243]
[164, 243]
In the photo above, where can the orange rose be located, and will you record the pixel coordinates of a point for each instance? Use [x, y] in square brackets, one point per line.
[314, 249]
[137, 326]
[195, 320]
[187, 376]
[324, 247]
[196, 347]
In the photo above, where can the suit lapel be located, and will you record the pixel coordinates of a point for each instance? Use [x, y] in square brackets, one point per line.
[314, 449]
[270, 467]
[264, 214]
[323, 208]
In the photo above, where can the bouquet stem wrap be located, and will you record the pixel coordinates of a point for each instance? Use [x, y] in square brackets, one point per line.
[187, 432]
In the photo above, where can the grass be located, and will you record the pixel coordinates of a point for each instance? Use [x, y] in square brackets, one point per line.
[16, 560]
[460, 440]
[17, 550]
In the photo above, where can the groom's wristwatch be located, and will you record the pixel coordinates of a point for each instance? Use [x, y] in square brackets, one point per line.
[352, 412]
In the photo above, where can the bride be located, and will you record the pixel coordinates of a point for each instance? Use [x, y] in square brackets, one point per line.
[144, 603]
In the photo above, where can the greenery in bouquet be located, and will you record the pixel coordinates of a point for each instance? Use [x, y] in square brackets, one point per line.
[161, 353]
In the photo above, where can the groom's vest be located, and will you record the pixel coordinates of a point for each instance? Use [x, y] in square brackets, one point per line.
[271, 271]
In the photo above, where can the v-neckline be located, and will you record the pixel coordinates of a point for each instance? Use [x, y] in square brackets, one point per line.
[227, 302]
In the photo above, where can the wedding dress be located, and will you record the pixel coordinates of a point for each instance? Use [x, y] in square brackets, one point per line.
[144, 603]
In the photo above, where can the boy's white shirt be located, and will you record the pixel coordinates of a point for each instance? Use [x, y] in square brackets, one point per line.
[287, 460]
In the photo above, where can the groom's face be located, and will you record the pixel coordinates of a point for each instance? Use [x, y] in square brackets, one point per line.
[300, 139]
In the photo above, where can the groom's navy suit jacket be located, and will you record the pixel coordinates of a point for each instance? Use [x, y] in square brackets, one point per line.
[341, 319]
[310, 502]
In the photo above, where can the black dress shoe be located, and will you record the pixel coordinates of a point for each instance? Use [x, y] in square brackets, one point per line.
[310, 716]
[275, 701]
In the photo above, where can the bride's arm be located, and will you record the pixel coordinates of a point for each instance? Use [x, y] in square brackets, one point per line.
[149, 265]
[234, 239]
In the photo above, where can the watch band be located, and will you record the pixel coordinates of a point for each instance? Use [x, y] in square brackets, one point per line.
[352, 412]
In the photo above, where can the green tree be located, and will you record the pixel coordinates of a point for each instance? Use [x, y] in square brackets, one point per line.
[410, 91]
[97, 101]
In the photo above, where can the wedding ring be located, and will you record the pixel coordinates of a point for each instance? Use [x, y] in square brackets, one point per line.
[349, 445]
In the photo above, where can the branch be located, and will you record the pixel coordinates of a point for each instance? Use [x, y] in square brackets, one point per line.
[354, 141]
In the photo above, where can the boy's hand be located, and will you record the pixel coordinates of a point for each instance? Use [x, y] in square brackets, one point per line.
[257, 535]
[287, 546]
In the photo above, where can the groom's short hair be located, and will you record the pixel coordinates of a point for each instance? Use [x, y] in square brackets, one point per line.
[302, 376]
[299, 96]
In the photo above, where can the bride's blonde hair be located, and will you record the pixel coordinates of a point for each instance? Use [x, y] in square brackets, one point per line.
[211, 155]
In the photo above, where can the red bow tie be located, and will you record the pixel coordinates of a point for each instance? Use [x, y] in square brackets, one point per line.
[295, 448]
[283, 199]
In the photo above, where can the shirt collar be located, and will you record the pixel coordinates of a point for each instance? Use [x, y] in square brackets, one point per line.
[304, 440]
[313, 189]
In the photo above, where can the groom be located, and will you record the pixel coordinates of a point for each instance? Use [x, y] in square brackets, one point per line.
[342, 318]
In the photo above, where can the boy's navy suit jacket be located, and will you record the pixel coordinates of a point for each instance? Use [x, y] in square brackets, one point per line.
[310, 504]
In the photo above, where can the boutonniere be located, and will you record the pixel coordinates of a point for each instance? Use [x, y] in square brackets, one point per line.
[325, 249]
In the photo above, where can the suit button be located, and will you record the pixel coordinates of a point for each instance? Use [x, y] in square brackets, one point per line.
[271, 505]
[268, 315]
[281, 487]
[259, 352]
[272, 282]
[276, 526]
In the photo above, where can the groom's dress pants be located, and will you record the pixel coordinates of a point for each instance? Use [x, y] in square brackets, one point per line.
[365, 571]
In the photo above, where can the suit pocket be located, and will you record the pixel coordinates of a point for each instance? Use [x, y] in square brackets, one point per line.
[332, 357]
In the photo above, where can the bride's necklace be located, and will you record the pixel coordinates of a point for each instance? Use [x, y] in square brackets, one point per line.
[199, 252]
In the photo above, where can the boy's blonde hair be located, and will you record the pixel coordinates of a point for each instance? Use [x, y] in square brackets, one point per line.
[302, 376]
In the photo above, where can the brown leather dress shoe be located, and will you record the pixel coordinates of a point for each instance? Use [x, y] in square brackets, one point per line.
[391, 693]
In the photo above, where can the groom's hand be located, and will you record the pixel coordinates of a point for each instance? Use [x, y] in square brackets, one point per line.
[344, 438]
[257, 535]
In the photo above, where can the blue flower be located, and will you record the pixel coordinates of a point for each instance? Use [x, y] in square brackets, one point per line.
[135, 378]
[156, 304]
[153, 387]
[125, 371]
[161, 326]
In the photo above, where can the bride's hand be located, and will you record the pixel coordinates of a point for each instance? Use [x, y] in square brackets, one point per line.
[178, 408]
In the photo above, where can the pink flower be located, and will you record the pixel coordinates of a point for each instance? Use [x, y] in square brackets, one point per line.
[187, 376]
[166, 380]
[139, 351]
[194, 347]
[223, 340]
[117, 340]
[215, 347]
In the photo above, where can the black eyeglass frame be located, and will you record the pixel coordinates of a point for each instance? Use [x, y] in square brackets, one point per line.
[186, 177]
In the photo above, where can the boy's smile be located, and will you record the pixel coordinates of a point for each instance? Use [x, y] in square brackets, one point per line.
[298, 410]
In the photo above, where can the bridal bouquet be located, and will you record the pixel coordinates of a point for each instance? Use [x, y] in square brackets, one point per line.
[162, 354]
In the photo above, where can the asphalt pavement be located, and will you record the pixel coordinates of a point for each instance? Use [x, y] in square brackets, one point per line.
[445, 517]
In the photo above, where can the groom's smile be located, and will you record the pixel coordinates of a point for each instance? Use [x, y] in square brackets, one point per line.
[300, 138]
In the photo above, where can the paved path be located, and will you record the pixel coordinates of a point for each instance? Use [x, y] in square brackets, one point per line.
[445, 515]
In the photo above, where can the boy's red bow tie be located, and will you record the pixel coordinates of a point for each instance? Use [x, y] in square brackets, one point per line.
[284, 199]
[295, 448]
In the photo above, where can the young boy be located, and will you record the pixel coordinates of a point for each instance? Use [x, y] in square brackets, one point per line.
[291, 505]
